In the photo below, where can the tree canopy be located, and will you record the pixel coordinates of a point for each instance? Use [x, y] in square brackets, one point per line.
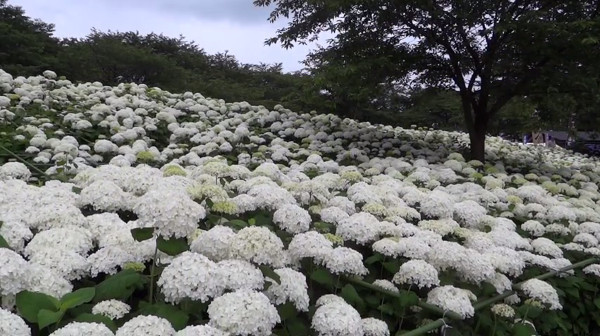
[489, 51]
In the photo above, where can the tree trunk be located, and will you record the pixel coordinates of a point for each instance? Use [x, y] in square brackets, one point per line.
[477, 136]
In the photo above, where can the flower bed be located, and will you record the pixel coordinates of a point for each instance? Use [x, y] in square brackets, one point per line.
[129, 210]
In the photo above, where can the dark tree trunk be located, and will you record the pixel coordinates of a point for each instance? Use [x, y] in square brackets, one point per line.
[477, 136]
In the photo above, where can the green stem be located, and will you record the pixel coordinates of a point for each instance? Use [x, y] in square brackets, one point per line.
[151, 294]
[495, 324]
[23, 160]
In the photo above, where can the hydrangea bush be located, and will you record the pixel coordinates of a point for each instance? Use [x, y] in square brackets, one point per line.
[130, 210]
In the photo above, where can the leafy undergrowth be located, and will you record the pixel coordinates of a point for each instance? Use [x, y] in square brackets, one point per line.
[129, 210]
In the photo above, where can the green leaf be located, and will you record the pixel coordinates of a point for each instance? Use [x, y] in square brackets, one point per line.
[78, 297]
[572, 291]
[119, 286]
[238, 223]
[87, 317]
[287, 310]
[172, 246]
[263, 219]
[141, 234]
[350, 294]
[297, 327]
[408, 298]
[3, 243]
[522, 329]
[30, 303]
[269, 272]
[177, 317]
[387, 308]
[597, 302]
[47, 317]
[323, 277]
[392, 266]
[373, 259]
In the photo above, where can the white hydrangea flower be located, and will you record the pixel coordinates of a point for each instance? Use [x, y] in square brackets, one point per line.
[345, 260]
[417, 272]
[270, 197]
[14, 170]
[442, 227]
[292, 218]
[362, 228]
[374, 327]
[258, 245]
[12, 272]
[75, 239]
[501, 283]
[148, 325]
[171, 212]
[329, 298]
[546, 246]
[240, 274]
[293, 288]
[337, 318]
[534, 227]
[12, 324]
[42, 279]
[593, 269]
[387, 285]
[67, 263]
[113, 309]
[453, 299]
[83, 328]
[333, 215]
[543, 292]
[244, 312]
[15, 233]
[309, 244]
[191, 275]
[104, 195]
[108, 259]
[469, 213]
[201, 330]
[503, 310]
[214, 243]
[586, 239]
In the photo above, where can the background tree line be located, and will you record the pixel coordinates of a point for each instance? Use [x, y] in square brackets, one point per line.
[359, 75]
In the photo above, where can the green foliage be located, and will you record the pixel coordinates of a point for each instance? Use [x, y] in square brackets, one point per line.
[29, 304]
[172, 246]
[45, 310]
[119, 286]
[141, 234]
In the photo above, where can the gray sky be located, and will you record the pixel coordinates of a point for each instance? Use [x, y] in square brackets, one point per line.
[215, 25]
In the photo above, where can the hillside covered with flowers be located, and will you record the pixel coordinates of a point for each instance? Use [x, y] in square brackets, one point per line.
[130, 210]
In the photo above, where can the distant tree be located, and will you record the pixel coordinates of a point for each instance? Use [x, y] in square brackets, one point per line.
[26, 45]
[489, 51]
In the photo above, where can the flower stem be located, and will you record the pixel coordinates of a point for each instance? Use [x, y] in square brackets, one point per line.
[151, 294]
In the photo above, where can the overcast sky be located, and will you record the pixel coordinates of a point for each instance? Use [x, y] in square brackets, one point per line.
[215, 25]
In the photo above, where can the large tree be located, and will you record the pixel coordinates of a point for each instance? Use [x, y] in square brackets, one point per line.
[489, 51]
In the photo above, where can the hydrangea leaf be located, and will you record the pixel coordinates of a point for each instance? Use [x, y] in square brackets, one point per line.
[141, 234]
[172, 246]
[30, 303]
